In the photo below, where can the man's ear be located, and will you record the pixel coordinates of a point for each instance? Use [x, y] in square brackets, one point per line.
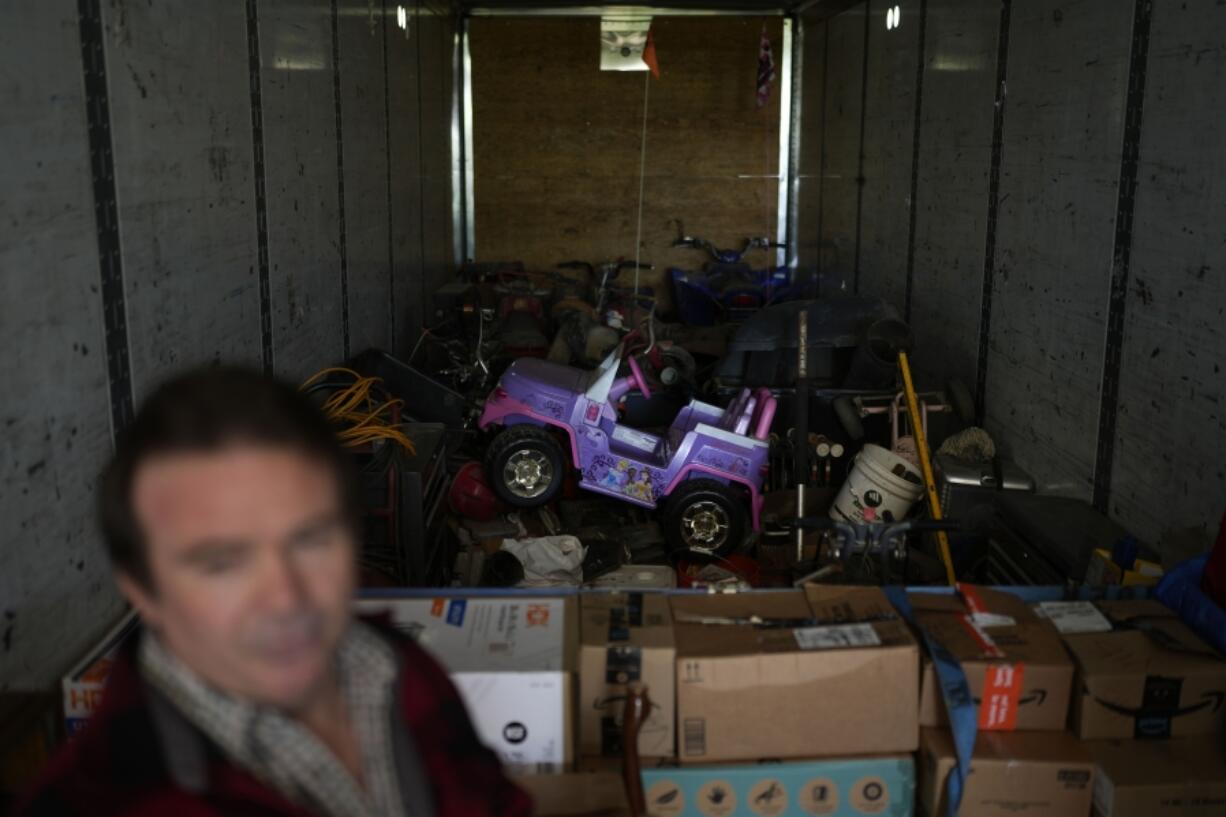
[140, 597]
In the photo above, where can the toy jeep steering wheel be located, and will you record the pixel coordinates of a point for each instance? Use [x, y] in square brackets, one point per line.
[640, 382]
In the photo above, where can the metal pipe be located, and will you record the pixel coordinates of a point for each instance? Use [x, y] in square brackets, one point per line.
[785, 142]
[801, 442]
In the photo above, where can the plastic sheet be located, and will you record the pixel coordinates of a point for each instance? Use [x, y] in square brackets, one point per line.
[549, 561]
[1180, 590]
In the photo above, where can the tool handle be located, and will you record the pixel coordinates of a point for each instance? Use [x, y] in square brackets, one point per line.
[638, 705]
[921, 445]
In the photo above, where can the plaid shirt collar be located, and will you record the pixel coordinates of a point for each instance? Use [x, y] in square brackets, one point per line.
[281, 751]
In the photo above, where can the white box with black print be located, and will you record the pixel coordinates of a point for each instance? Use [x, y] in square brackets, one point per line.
[513, 661]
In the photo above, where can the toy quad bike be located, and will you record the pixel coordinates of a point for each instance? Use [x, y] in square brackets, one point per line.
[704, 473]
[728, 288]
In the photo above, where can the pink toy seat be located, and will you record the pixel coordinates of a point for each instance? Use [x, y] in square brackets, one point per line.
[767, 405]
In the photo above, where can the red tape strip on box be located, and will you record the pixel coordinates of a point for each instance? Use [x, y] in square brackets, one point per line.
[971, 598]
[985, 642]
[1002, 687]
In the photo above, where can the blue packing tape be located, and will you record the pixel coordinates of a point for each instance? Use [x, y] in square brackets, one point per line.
[963, 714]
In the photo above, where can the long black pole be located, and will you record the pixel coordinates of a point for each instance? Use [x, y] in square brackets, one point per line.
[800, 443]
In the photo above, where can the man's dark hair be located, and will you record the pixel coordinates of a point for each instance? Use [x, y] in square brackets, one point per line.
[208, 410]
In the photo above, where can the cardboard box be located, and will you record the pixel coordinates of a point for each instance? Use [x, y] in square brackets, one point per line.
[1006, 650]
[832, 788]
[1151, 676]
[1012, 774]
[1184, 777]
[576, 794]
[83, 685]
[608, 763]
[512, 660]
[626, 637]
[778, 675]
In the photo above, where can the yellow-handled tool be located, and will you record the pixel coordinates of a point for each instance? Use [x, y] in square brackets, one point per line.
[921, 445]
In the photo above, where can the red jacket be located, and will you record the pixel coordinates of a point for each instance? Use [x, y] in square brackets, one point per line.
[1214, 581]
[140, 757]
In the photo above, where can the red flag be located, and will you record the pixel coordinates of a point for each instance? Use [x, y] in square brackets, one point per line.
[766, 68]
[649, 54]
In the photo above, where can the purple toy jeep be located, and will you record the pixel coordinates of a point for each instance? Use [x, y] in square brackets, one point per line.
[705, 473]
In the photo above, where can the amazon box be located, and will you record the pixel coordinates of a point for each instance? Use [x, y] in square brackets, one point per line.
[1012, 774]
[1184, 777]
[785, 674]
[626, 637]
[838, 787]
[1149, 676]
[513, 661]
[1018, 672]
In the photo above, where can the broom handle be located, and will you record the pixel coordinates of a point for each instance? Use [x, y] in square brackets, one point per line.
[921, 445]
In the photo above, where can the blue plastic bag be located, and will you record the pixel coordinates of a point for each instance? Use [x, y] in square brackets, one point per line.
[1180, 590]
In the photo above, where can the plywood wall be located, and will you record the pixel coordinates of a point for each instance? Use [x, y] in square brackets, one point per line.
[556, 141]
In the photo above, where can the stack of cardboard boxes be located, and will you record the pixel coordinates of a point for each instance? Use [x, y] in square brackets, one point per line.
[791, 703]
[1149, 705]
[773, 703]
[816, 702]
[1020, 679]
[1142, 695]
[626, 638]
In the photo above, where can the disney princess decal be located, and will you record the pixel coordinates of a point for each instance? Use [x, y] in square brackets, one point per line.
[640, 487]
[621, 477]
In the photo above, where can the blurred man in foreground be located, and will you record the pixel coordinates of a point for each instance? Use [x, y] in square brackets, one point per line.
[230, 519]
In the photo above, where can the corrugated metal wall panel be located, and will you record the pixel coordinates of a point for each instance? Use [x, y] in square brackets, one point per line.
[183, 174]
[840, 189]
[179, 281]
[300, 146]
[1067, 75]
[889, 130]
[1169, 479]
[952, 194]
[55, 413]
[365, 127]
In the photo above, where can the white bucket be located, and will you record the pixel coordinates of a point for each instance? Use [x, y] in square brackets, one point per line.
[881, 482]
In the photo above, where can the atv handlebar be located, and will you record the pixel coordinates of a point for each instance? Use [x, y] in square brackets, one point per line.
[729, 256]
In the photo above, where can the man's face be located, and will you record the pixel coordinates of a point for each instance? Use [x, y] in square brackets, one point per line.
[252, 568]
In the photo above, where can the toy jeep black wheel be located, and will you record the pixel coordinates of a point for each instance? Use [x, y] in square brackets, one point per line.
[525, 466]
[704, 518]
